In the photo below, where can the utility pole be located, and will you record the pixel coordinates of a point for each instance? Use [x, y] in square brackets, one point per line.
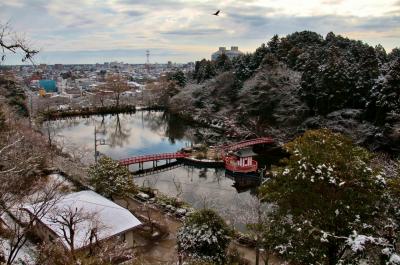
[97, 142]
[148, 61]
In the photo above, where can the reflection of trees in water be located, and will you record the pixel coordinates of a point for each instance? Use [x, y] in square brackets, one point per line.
[118, 131]
[203, 173]
[218, 174]
[175, 128]
[165, 123]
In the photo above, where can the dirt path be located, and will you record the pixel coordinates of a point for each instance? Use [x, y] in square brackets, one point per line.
[163, 251]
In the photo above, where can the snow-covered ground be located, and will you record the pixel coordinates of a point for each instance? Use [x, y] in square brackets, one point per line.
[26, 255]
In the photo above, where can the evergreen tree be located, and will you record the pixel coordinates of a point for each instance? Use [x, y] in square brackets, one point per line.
[395, 53]
[327, 86]
[204, 70]
[205, 236]
[273, 44]
[110, 178]
[242, 67]
[179, 77]
[330, 202]
[381, 54]
[386, 92]
[223, 63]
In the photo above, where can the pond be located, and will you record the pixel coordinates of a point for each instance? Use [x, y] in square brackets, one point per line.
[149, 132]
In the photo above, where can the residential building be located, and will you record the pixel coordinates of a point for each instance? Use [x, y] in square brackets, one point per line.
[232, 53]
[113, 221]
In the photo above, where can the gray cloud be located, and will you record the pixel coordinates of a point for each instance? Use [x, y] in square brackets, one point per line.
[134, 13]
[193, 32]
[81, 23]
[379, 24]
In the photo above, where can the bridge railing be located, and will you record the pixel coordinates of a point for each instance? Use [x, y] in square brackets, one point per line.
[147, 158]
[265, 140]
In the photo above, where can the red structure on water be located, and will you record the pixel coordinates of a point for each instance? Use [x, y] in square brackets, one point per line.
[237, 158]
[242, 160]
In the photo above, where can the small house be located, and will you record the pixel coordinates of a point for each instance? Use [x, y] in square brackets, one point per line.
[114, 221]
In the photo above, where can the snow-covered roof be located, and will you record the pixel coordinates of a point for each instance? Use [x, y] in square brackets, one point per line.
[245, 153]
[111, 218]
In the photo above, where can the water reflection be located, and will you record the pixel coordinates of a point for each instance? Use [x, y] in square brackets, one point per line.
[202, 187]
[125, 134]
[156, 132]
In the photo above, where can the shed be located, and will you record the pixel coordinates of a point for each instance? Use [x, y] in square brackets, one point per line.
[114, 220]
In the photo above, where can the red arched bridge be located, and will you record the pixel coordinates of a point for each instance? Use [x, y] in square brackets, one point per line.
[246, 143]
[149, 158]
[169, 156]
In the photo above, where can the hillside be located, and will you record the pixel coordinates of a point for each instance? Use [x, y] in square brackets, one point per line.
[299, 82]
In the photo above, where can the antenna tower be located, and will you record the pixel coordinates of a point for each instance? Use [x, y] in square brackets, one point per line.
[148, 60]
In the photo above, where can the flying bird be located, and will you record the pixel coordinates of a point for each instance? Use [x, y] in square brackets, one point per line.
[216, 13]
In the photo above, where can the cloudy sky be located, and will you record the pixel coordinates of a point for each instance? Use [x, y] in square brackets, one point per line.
[90, 31]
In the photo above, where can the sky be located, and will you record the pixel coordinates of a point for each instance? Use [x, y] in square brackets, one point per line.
[97, 31]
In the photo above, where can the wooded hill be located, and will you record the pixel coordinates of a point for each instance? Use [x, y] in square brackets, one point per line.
[299, 82]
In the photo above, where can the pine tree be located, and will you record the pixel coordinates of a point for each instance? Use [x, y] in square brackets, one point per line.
[223, 63]
[179, 77]
[386, 92]
[110, 179]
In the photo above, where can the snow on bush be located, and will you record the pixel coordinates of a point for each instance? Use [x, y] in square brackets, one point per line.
[204, 236]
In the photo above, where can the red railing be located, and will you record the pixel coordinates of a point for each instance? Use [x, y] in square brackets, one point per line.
[231, 165]
[148, 158]
[242, 144]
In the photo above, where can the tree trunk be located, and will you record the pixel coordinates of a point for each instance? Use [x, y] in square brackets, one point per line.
[257, 255]
[332, 254]
[266, 257]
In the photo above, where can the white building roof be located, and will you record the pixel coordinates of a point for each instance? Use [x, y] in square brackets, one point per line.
[112, 218]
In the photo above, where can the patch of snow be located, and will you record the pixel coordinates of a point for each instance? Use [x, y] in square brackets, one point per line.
[394, 259]
[357, 242]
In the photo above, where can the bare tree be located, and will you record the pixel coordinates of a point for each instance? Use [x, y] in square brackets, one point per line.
[11, 42]
[117, 84]
[107, 253]
[76, 226]
[99, 97]
[41, 200]
[22, 156]
[254, 214]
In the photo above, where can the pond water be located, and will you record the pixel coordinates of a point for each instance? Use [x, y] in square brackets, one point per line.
[149, 132]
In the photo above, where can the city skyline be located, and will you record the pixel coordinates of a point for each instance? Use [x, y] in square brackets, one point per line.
[94, 31]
